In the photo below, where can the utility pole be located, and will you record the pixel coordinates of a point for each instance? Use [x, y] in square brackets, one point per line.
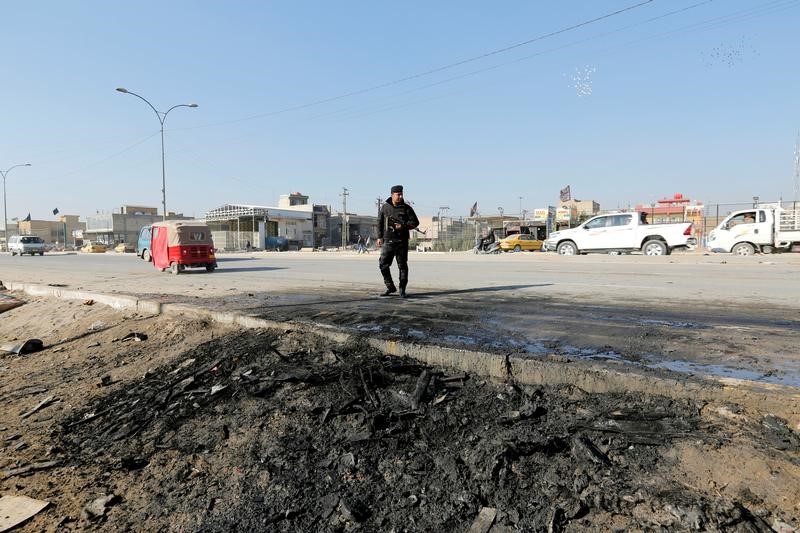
[796, 171]
[345, 235]
[442, 226]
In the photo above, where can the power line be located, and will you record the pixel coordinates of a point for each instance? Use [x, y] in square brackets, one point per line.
[360, 110]
[354, 110]
[112, 156]
[737, 16]
[428, 72]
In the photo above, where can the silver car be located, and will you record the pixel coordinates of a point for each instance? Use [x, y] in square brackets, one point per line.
[25, 244]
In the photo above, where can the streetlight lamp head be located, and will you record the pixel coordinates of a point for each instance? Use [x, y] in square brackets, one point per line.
[122, 89]
[27, 164]
[192, 105]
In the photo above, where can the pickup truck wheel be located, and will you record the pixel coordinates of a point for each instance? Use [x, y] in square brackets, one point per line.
[146, 256]
[743, 248]
[654, 248]
[567, 248]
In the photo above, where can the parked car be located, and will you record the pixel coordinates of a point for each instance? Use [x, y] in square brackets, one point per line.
[279, 244]
[25, 244]
[143, 244]
[124, 248]
[93, 248]
[519, 242]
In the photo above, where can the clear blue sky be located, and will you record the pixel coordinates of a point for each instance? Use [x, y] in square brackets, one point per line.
[703, 102]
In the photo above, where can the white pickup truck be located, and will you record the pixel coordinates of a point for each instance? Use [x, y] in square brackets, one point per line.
[766, 228]
[621, 232]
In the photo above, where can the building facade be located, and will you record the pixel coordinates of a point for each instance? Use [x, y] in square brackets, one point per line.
[364, 226]
[583, 209]
[300, 223]
[675, 209]
[53, 232]
[115, 228]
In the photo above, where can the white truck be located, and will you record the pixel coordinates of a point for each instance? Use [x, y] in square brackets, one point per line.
[766, 228]
[622, 233]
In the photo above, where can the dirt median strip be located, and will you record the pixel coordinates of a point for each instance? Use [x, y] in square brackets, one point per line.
[593, 377]
[209, 427]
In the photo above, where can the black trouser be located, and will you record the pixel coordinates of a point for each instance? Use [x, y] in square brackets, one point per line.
[389, 251]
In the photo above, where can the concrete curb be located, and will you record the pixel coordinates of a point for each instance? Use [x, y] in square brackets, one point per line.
[592, 377]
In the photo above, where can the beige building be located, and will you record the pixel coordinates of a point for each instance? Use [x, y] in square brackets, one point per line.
[114, 228]
[53, 231]
[583, 208]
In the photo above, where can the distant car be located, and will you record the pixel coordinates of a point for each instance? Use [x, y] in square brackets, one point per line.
[520, 242]
[25, 244]
[94, 248]
[124, 248]
[143, 243]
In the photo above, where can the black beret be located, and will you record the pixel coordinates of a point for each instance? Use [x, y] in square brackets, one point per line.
[397, 188]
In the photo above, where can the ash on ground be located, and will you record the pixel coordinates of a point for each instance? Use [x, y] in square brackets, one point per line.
[275, 432]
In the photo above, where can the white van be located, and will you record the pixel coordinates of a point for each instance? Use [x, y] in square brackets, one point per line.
[25, 244]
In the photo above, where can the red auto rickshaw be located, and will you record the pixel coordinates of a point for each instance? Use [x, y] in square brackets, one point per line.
[182, 244]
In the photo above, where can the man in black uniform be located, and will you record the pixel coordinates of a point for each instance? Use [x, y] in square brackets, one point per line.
[396, 219]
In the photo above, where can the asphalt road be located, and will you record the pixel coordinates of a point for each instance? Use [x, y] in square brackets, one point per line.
[711, 314]
[718, 279]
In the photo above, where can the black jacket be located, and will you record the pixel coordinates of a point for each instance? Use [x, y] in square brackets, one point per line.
[403, 213]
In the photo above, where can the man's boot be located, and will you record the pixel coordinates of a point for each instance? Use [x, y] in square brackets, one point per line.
[390, 288]
[403, 284]
[387, 280]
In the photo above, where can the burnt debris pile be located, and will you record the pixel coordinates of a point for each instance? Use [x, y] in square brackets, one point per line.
[261, 431]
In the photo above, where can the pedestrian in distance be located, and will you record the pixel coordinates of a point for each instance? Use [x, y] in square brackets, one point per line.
[396, 219]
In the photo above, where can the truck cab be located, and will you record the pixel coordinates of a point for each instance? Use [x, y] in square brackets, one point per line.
[765, 228]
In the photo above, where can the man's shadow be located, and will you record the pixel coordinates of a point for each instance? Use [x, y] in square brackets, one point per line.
[418, 295]
[432, 294]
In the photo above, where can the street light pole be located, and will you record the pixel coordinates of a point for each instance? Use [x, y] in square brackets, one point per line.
[5, 215]
[162, 117]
